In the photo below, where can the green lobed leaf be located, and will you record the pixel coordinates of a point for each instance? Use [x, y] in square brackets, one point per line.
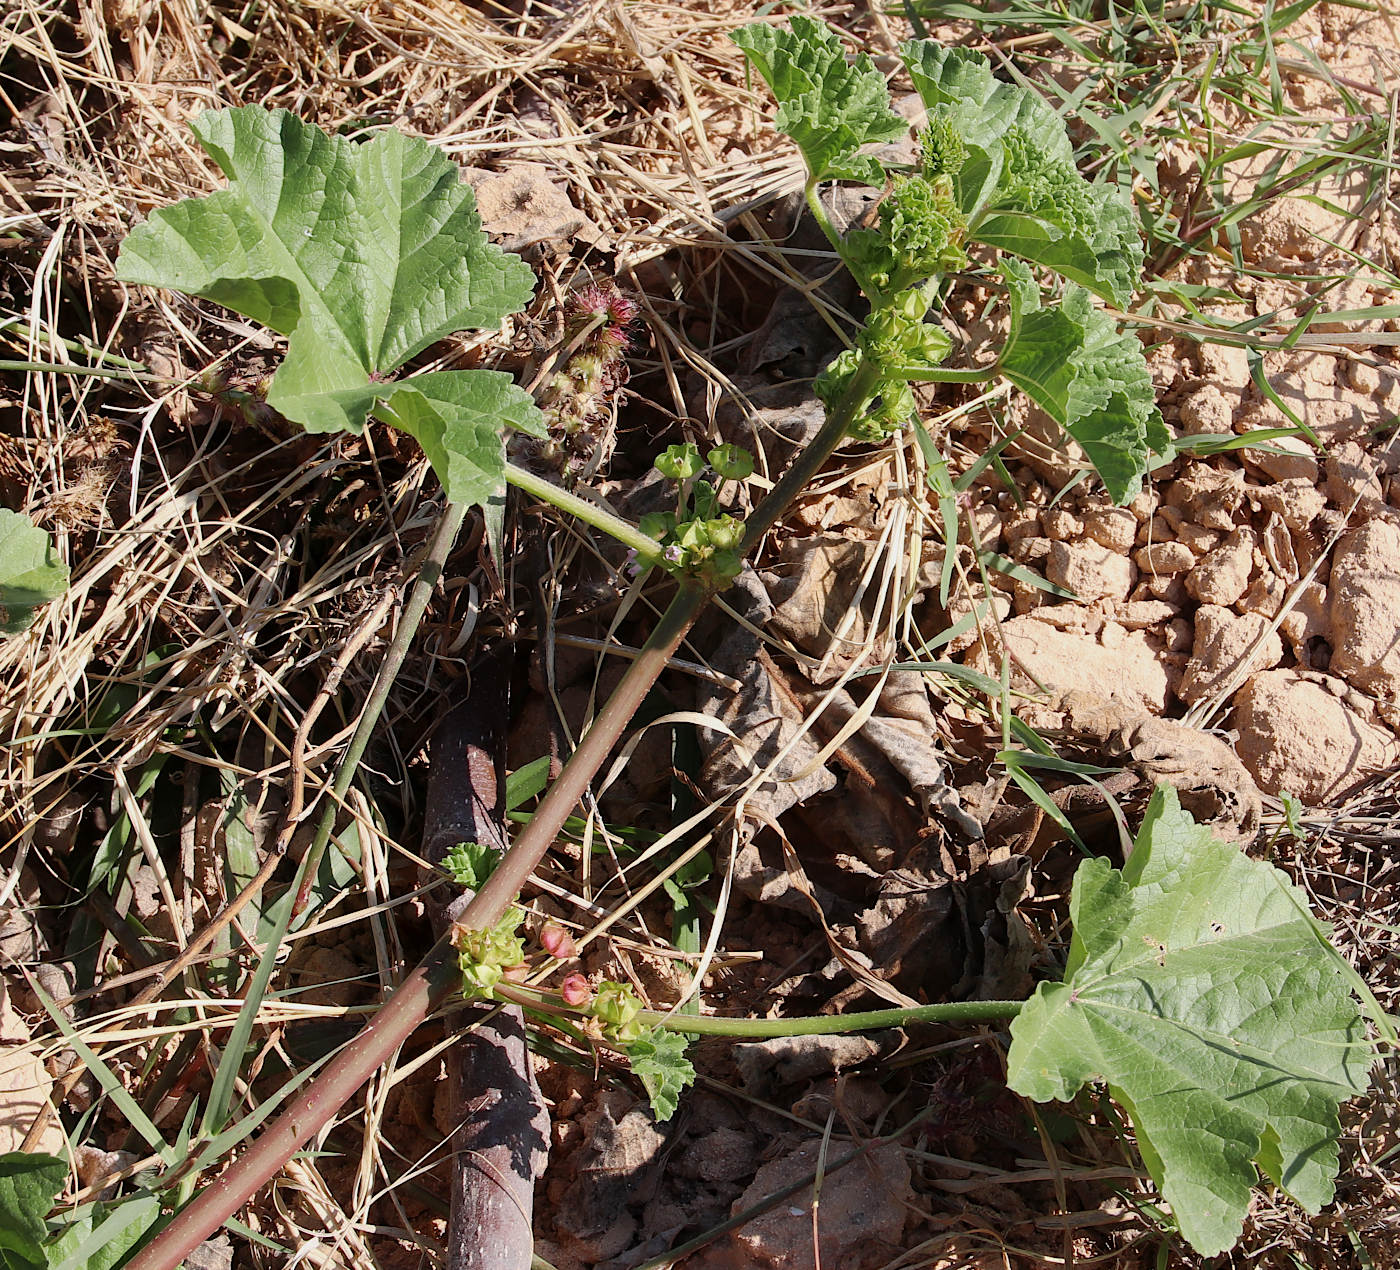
[1019, 186]
[362, 254]
[471, 863]
[29, 1183]
[31, 573]
[1201, 990]
[830, 107]
[658, 1060]
[457, 416]
[1088, 375]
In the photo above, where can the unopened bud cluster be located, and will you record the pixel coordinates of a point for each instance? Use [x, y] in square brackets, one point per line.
[697, 538]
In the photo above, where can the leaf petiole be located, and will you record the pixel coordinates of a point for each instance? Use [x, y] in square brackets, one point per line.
[547, 1003]
[648, 550]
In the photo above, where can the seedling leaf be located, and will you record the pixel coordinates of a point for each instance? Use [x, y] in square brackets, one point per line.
[362, 254]
[1085, 373]
[1202, 991]
[830, 107]
[471, 863]
[1019, 187]
[658, 1060]
[28, 1184]
[31, 574]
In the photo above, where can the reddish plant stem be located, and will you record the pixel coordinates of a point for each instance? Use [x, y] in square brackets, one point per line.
[436, 977]
[563, 796]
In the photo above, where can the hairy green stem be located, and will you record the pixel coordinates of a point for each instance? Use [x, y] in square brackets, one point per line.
[437, 977]
[937, 375]
[648, 549]
[548, 1003]
[825, 1024]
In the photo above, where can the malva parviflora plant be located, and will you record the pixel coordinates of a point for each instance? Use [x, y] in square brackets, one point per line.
[1198, 986]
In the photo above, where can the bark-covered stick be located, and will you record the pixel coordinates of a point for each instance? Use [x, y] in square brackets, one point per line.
[501, 1144]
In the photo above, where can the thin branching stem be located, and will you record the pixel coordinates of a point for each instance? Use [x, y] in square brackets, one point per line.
[545, 1004]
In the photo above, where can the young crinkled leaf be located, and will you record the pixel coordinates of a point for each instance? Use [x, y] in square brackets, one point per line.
[830, 107]
[658, 1060]
[31, 574]
[1201, 990]
[1088, 375]
[362, 254]
[1019, 187]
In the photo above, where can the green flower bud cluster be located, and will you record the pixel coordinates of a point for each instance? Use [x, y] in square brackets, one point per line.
[904, 347]
[900, 341]
[884, 415]
[698, 538]
[920, 235]
[942, 150]
[485, 955]
[615, 1006]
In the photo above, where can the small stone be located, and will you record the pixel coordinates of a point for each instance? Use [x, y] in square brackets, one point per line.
[1221, 578]
[1225, 643]
[1141, 615]
[1164, 557]
[1168, 520]
[1225, 364]
[1364, 607]
[864, 1208]
[1030, 550]
[987, 521]
[1265, 595]
[1180, 634]
[1111, 527]
[1061, 523]
[1307, 620]
[1091, 571]
[1206, 411]
[1298, 501]
[1208, 496]
[1134, 671]
[1352, 475]
[1144, 505]
[1170, 588]
[1017, 524]
[1198, 538]
[1283, 458]
[1296, 737]
[1363, 378]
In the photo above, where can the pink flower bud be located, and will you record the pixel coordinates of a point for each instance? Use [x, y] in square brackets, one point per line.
[575, 991]
[605, 304]
[557, 942]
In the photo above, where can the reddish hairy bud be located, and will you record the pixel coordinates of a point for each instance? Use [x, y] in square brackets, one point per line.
[575, 991]
[557, 942]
